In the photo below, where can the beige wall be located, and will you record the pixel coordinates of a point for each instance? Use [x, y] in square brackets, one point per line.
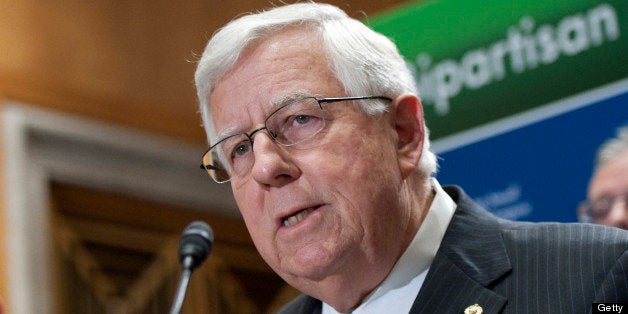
[127, 62]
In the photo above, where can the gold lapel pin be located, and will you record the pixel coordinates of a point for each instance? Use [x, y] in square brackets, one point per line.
[473, 309]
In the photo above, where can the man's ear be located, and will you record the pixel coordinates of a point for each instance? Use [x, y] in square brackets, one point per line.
[409, 125]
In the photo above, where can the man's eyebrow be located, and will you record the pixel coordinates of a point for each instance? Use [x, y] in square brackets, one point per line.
[297, 94]
[224, 133]
[274, 105]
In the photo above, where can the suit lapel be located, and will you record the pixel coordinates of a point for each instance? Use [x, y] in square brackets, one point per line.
[471, 258]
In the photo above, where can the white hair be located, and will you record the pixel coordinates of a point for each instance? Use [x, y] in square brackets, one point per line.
[364, 61]
[613, 147]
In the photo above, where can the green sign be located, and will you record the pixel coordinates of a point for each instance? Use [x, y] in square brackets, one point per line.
[480, 61]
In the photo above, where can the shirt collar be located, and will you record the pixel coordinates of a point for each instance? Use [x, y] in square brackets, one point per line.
[419, 255]
[421, 252]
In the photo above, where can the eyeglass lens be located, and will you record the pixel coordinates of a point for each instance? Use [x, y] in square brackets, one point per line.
[289, 125]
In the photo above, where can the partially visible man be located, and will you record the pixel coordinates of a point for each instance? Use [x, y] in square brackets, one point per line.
[315, 121]
[607, 200]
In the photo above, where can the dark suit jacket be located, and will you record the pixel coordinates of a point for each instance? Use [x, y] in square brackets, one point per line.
[516, 267]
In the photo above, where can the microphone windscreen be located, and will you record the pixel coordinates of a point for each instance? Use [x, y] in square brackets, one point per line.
[196, 242]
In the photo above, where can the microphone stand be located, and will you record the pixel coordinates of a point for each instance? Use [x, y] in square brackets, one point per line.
[194, 247]
[186, 273]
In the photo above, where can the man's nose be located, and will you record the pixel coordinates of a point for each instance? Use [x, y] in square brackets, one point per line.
[618, 214]
[272, 165]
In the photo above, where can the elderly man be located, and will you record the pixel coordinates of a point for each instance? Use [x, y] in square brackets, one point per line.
[607, 202]
[314, 120]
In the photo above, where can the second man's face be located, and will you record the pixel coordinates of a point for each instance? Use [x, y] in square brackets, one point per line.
[611, 182]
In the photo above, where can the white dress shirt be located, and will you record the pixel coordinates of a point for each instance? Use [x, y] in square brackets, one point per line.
[397, 292]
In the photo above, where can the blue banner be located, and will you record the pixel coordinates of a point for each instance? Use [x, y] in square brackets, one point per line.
[535, 166]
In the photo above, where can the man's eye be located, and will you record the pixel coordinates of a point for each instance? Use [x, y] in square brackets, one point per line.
[301, 119]
[241, 149]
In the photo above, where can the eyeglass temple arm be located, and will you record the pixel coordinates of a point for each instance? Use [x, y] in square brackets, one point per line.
[209, 167]
[334, 99]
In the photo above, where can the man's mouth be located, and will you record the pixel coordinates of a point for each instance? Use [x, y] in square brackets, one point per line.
[298, 216]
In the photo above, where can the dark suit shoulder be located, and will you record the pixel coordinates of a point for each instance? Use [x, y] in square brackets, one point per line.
[593, 245]
[536, 267]
[571, 233]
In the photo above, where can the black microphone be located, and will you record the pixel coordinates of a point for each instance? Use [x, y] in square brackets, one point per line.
[194, 247]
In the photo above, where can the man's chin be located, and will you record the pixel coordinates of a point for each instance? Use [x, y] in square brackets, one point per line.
[302, 276]
[311, 263]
